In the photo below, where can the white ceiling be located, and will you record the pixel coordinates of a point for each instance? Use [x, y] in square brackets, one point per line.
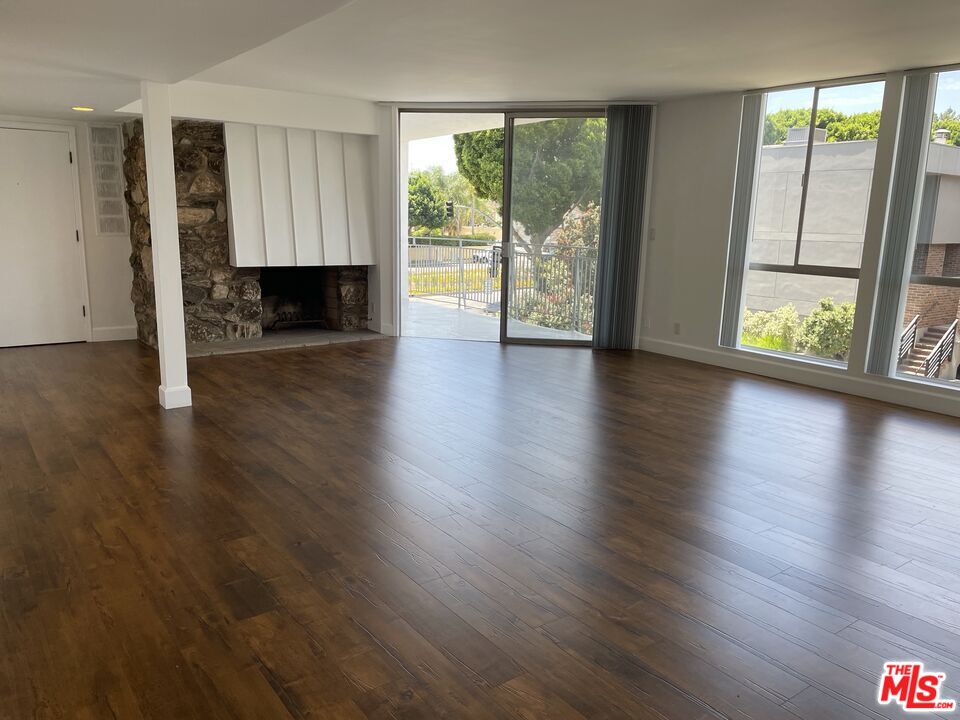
[465, 50]
[58, 53]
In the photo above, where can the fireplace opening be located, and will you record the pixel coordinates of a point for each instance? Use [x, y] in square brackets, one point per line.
[293, 297]
[327, 298]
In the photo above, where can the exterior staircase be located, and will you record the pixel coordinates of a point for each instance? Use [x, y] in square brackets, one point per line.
[918, 360]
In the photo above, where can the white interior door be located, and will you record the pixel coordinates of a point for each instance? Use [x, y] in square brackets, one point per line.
[41, 270]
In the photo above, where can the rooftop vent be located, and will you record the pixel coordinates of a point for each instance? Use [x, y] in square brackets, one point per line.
[941, 136]
[799, 135]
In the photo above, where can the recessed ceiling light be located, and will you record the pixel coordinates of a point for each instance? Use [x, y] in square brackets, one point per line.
[81, 108]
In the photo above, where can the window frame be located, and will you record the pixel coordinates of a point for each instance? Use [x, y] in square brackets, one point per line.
[798, 268]
[896, 189]
[744, 205]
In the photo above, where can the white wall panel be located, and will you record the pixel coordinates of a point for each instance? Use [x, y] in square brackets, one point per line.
[244, 205]
[305, 196]
[300, 197]
[275, 191]
[358, 172]
[333, 198]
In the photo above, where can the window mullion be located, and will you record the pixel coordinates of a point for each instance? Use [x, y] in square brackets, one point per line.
[805, 178]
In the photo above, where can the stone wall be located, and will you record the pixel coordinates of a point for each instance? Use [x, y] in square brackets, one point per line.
[220, 302]
[346, 299]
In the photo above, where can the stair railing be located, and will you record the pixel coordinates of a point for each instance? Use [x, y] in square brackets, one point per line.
[942, 352]
[908, 338]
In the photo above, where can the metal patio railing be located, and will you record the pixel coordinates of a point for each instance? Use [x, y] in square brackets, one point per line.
[552, 288]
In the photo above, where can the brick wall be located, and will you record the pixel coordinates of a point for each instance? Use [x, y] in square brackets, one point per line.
[934, 260]
[935, 305]
[951, 261]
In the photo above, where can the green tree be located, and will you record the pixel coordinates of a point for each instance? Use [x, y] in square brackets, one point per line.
[859, 126]
[557, 165]
[840, 126]
[827, 330]
[480, 160]
[455, 188]
[425, 206]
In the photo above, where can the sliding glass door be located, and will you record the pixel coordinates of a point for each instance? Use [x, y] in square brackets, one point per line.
[553, 178]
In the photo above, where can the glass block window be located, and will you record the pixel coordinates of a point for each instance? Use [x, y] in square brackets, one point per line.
[106, 151]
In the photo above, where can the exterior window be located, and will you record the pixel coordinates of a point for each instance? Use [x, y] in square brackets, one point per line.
[809, 210]
[927, 346]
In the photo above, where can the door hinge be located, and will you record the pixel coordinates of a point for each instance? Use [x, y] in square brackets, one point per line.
[78, 235]
[70, 152]
[84, 310]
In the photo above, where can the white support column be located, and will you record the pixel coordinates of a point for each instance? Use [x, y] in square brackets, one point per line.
[164, 237]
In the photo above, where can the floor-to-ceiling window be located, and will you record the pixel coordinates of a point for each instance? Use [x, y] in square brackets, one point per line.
[481, 261]
[811, 192]
[451, 201]
[927, 347]
[555, 175]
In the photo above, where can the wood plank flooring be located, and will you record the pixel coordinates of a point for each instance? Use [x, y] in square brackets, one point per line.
[433, 529]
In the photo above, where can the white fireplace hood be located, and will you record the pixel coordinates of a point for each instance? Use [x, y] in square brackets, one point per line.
[299, 197]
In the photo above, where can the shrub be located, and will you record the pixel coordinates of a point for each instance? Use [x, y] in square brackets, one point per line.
[827, 330]
[554, 301]
[776, 330]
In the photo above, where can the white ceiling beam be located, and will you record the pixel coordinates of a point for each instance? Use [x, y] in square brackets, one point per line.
[255, 106]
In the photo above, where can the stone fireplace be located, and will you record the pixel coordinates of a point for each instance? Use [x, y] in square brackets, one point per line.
[222, 303]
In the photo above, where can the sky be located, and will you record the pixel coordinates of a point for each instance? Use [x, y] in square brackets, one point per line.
[862, 97]
[948, 91]
[430, 152]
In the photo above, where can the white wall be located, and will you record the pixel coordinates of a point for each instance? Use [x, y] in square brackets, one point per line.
[107, 256]
[693, 178]
[694, 157]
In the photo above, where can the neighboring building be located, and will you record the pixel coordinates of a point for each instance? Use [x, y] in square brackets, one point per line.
[833, 226]
[938, 239]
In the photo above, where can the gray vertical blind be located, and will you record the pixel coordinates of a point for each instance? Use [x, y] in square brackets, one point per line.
[621, 225]
[902, 215]
[740, 221]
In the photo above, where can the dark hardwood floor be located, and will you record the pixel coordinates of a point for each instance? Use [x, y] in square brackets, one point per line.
[430, 529]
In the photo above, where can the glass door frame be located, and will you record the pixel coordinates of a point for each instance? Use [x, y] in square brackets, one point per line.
[506, 244]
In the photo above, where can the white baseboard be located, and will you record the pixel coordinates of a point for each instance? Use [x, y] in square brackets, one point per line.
[118, 332]
[175, 397]
[898, 391]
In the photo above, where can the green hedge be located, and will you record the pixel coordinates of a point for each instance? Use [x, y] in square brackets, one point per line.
[826, 332]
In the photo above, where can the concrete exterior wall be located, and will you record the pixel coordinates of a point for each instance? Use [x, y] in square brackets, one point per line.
[833, 228]
[835, 221]
[946, 225]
